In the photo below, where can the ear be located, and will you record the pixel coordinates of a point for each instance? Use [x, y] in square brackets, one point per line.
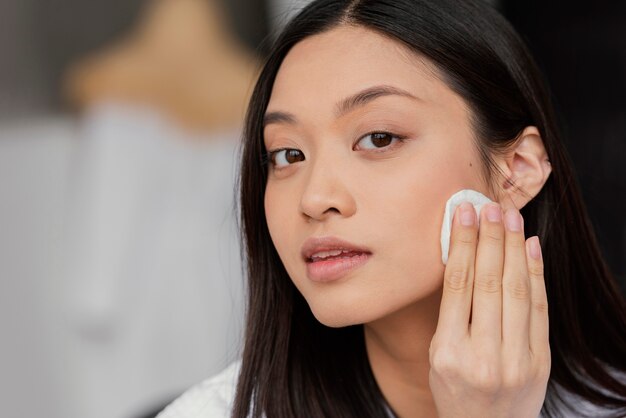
[526, 168]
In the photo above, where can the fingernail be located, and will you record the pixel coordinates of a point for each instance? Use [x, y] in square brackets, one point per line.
[494, 214]
[535, 248]
[513, 220]
[468, 214]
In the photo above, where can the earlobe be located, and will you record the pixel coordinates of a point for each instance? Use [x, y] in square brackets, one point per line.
[526, 167]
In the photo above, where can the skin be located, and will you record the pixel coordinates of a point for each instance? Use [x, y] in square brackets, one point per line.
[390, 199]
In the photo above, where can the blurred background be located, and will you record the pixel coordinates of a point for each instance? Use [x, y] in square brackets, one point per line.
[120, 275]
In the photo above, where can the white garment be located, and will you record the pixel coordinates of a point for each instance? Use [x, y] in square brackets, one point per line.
[214, 397]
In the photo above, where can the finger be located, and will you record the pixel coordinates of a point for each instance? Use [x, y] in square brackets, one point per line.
[487, 300]
[515, 285]
[456, 300]
[539, 321]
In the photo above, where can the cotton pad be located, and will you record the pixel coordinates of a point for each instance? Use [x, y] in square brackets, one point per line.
[475, 198]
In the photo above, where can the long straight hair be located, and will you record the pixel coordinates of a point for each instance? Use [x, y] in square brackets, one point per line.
[293, 366]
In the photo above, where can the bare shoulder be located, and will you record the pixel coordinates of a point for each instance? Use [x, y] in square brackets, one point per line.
[211, 398]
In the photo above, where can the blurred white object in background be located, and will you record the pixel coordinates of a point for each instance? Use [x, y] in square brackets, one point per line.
[119, 262]
[153, 291]
[34, 161]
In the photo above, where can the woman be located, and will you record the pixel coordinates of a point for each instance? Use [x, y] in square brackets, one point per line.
[367, 117]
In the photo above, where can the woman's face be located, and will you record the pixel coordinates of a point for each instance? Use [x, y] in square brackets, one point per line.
[368, 145]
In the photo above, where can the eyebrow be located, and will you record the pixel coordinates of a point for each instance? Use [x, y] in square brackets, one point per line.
[344, 106]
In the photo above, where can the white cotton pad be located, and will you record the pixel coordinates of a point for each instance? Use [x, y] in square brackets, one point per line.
[476, 198]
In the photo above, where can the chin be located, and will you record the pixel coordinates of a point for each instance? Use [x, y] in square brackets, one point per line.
[338, 315]
[336, 321]
[347, 307]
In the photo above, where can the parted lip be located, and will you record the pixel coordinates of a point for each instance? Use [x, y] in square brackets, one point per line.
[317, 244]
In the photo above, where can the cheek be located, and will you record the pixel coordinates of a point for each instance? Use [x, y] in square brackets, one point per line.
[276, 211]
[405, 203]
[405, 208]
[281, 212]
[407, 216]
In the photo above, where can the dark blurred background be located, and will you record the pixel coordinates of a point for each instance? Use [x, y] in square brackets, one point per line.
[581, 48]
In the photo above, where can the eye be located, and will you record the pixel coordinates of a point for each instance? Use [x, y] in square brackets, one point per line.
[377, 140]
[286, 156]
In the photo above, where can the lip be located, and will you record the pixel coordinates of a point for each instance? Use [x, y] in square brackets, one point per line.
[336, 268]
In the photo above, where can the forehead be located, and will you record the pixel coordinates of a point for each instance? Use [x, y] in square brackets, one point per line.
[334, 64]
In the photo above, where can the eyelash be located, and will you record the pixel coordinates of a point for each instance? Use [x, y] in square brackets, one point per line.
[271, 155]
[400, 139]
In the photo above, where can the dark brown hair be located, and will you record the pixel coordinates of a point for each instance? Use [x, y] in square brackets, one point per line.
[292, 365]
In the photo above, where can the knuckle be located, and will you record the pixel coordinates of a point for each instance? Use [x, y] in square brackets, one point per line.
[443, 361]
[519, 289]
[516, 377]
[543, 373]
[458, 279]
[535, 269]
[487, 379]
[517, 243]
[489, 282]
[545, 367]
[540, 305]
[465, 238]
[540, 370]
[493, 236]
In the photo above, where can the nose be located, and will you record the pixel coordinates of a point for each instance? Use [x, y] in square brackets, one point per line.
[326, 192]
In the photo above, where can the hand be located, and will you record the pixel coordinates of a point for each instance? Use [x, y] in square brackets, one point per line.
[490, 355]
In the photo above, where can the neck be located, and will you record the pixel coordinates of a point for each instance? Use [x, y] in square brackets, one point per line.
[397, 348]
